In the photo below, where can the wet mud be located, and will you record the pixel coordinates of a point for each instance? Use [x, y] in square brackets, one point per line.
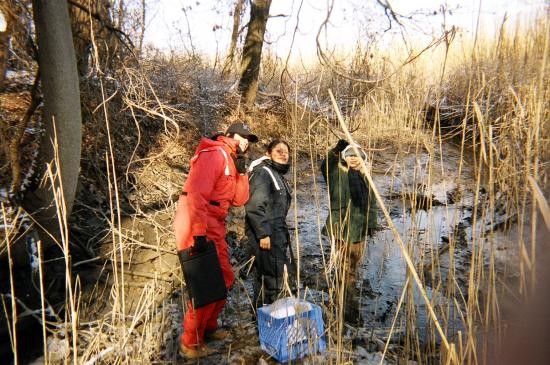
[432, 207]
[431, 201]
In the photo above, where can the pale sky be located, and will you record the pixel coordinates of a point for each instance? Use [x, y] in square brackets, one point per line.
[210, 22]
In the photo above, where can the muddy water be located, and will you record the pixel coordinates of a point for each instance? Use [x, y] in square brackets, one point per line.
[432, 207]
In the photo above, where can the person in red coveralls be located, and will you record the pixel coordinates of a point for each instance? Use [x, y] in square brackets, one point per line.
[217, 179]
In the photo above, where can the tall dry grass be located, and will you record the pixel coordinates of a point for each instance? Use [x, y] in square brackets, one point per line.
[496, 94]
[490, 97]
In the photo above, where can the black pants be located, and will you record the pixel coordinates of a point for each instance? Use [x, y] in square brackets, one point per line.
[270, 265]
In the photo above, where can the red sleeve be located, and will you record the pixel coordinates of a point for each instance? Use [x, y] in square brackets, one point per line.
[203, 175]
[242, 190]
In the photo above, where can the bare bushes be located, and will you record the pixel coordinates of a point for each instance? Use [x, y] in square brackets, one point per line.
[382, 104]
[145, 113]
[141, 129]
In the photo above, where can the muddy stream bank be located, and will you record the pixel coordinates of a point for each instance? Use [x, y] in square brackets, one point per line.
[431, 199]
[432, 208]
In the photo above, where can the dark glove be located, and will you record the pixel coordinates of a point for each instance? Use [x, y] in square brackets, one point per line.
[341, 145]
[200, 243]
[241, 162]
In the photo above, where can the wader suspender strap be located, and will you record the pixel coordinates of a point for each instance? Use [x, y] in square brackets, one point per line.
[226, 171]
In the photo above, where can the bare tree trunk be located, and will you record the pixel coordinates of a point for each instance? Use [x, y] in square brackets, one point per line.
[80, 25]
[252, 51]
[80, 15]
[142, 25]
[121, 12]
[62, 115]
[228, 64]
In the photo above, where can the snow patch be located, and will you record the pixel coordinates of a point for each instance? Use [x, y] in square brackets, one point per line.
[32, 249]
[3, 23]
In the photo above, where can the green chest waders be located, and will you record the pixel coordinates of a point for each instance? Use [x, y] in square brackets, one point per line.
[203, 274]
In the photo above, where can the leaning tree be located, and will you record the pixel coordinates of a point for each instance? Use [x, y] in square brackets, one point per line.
[60, 148]
[252, 50]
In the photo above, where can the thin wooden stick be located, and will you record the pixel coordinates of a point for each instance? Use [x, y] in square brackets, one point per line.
[397, 236]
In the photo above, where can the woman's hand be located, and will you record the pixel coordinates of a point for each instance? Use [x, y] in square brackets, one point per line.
[265, 243]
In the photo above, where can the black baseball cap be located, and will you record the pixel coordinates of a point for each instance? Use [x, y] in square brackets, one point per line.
[243, 130]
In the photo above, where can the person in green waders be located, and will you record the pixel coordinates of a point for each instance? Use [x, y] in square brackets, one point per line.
[352, 216]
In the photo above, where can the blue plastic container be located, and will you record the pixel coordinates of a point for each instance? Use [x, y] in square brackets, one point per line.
[290, 329]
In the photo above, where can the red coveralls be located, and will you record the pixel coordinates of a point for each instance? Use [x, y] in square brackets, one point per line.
[212, 186]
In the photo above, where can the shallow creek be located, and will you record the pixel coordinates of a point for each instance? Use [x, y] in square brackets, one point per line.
[432, 207]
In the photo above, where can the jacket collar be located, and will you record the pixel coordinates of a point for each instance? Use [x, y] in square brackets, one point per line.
[221, 141]
[230, 142]
[265, 160]
[256, 162]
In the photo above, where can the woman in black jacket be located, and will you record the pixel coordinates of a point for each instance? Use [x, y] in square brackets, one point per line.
[266, 227]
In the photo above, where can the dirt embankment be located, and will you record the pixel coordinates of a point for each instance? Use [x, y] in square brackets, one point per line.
[122, 258]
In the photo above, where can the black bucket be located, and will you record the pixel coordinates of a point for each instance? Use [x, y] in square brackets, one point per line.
[203, 274]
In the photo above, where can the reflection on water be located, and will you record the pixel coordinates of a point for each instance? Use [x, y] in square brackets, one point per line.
[432, 207]
[440, 218]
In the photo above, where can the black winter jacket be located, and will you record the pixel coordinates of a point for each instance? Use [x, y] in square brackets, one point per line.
[268, 205]
[266, 212]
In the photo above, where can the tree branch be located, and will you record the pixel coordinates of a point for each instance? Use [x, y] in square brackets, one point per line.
[119, 33]
[325, 60]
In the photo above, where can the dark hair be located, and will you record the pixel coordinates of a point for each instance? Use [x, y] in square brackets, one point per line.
[274, 143]
[215, 136]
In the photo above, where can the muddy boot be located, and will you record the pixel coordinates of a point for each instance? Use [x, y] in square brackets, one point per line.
[218, 334]
[351, 306]
[352, 316]
[195, 352]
